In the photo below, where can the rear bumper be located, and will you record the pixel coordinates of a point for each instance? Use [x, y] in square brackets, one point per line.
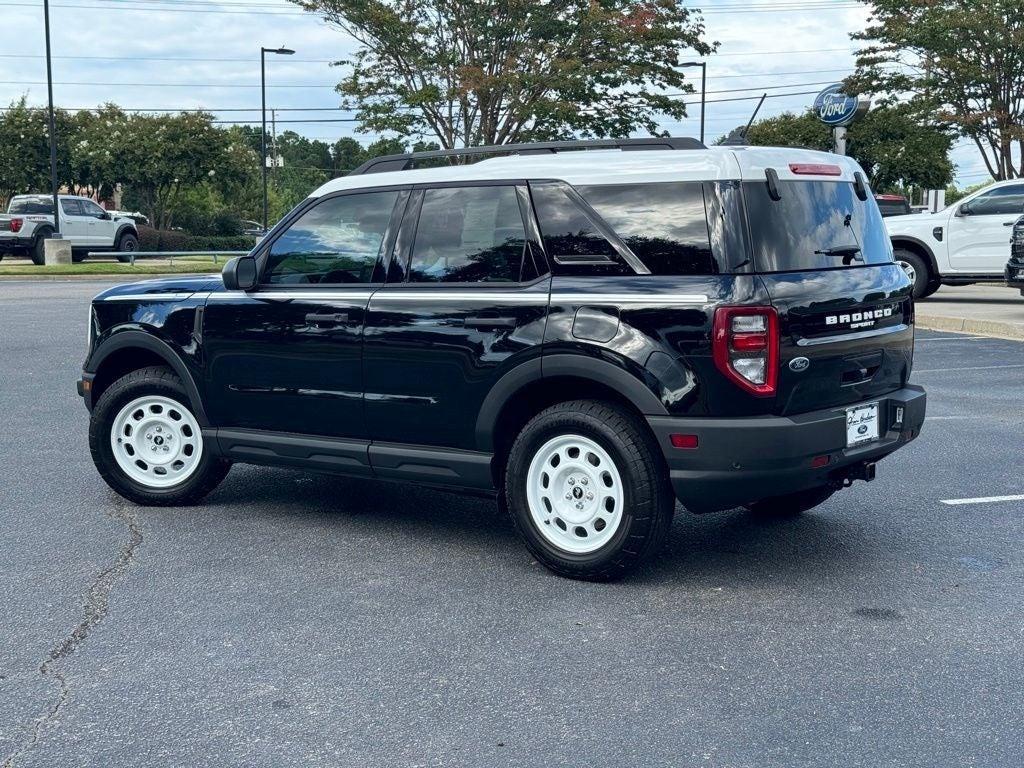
[739, 461]
[15, 244]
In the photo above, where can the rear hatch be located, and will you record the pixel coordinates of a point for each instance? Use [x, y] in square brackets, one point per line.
[845, 310]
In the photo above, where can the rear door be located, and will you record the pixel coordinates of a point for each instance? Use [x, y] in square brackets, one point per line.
[465, 302]
[74, 225]
[845, 312]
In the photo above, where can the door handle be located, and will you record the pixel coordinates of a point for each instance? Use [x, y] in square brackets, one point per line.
[1009, 223]
[490, 323]
[331, 318]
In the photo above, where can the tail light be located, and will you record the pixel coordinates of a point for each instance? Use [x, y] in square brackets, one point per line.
[16, 225]
[745, 347]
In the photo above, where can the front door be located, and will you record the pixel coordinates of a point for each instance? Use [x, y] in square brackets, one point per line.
[466, 302]
[102, 226]
[979, 235]
[287, 357]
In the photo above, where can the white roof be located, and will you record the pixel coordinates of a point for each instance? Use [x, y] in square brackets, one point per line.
[614, 166]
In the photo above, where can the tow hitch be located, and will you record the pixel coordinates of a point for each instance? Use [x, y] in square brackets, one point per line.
[865, 471]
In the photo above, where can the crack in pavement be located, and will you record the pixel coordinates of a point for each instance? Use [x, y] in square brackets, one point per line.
[96, 606]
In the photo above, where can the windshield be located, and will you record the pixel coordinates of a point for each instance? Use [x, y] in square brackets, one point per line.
[31, 205]
[815, 225]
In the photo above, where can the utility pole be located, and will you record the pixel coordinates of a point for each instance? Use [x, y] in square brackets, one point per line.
[53, 123]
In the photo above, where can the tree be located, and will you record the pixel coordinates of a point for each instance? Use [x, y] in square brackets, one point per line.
[959, 62]
[474, 72]
[894, 149]
[25, 149]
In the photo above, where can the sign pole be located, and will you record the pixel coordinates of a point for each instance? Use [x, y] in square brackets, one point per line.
[839, 136]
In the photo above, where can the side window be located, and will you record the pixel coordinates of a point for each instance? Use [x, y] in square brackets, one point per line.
[999, 202]
[71, 207]
[89, 208]
[665, 225]
[569, 234]
[335, 241]
[468, 234]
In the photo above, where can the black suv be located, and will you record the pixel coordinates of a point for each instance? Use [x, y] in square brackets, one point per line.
[590, 335]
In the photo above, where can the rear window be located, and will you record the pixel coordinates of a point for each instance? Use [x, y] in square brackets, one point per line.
[665, 225]
[893, 207]
[815, 225]
[31, 206]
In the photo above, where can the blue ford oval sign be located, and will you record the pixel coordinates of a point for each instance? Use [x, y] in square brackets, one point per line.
[835, 108]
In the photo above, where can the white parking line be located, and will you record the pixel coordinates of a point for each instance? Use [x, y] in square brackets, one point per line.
[950, 338]
[982, 500]
[969, 368]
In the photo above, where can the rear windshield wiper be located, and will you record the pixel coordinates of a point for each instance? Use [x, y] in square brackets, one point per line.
[840, 250]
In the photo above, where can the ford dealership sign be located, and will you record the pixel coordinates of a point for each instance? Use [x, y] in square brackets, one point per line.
[835, 108]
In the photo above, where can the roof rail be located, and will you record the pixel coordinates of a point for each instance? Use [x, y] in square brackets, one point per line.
[405, 161]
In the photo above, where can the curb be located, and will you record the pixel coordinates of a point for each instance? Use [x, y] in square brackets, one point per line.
[995, 328]
[98, 277]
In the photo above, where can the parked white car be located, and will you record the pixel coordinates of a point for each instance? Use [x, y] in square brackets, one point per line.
[967, 242]
[29, 221]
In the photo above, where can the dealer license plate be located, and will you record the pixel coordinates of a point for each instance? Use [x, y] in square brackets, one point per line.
[861, 424]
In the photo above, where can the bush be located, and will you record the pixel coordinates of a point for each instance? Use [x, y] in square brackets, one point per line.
[171, 240]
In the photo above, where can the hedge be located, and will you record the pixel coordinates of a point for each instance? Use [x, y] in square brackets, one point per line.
[169, 240]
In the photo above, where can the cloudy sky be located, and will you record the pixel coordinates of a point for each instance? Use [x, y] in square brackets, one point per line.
[188, 54]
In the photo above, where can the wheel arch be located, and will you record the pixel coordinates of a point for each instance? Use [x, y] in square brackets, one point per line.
[528, 389]
[125, 229]
[129, 351]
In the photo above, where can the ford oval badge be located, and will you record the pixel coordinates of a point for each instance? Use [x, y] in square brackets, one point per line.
[799, 364]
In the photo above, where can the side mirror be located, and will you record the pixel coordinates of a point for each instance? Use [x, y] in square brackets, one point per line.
[106, 216]
[964, 210]
[240, 274]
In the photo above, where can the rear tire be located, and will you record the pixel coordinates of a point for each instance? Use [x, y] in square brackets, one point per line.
[917, 270]
[147, 444]
[38, 253]
[792, 504]
[588, 491]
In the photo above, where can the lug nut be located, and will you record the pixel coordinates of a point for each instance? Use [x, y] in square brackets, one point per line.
[584, 481]
[590, 497]
[568, 496]
[572, 481]
[579, 505]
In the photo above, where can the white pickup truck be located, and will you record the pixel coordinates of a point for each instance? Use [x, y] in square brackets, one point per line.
[29, 221]
[967, 242]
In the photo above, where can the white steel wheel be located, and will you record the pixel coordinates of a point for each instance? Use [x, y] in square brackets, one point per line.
[575, 494]
[156, 441]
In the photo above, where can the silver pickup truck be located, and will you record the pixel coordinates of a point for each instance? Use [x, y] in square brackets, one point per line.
[29, 221]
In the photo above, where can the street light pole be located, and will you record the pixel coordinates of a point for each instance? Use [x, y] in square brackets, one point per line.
[53, 124]
[703, 89]
[263, 111]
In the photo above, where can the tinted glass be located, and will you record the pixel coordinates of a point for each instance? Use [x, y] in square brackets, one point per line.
[893, 207]
[336, 241]
[813, 217]
[568, 231]
[468, 234]
[31, 206]
[665, 225]
[71, 207]
[1001, 201]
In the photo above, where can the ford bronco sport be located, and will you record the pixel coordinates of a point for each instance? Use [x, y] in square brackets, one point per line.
[589, 334]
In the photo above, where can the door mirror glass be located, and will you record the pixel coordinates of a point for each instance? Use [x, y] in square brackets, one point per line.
[240, 274]
[965, 210]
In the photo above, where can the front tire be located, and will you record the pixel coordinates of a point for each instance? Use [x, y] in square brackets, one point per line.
[127, 242]
[588, 491]
[148, 445]
[916, 269]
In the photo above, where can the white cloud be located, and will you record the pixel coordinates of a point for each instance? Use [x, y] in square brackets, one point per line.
[783, 50]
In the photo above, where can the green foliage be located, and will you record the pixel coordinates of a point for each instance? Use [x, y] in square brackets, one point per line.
[171, 240]
[471, 72]
[953, 194]
[955, 63]
[893, 147]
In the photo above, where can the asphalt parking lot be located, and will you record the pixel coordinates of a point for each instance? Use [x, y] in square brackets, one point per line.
[301, 620]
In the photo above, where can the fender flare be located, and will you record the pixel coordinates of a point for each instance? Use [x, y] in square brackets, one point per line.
[121, 230]
[932, 263]
[131, 338]
[551, 366]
